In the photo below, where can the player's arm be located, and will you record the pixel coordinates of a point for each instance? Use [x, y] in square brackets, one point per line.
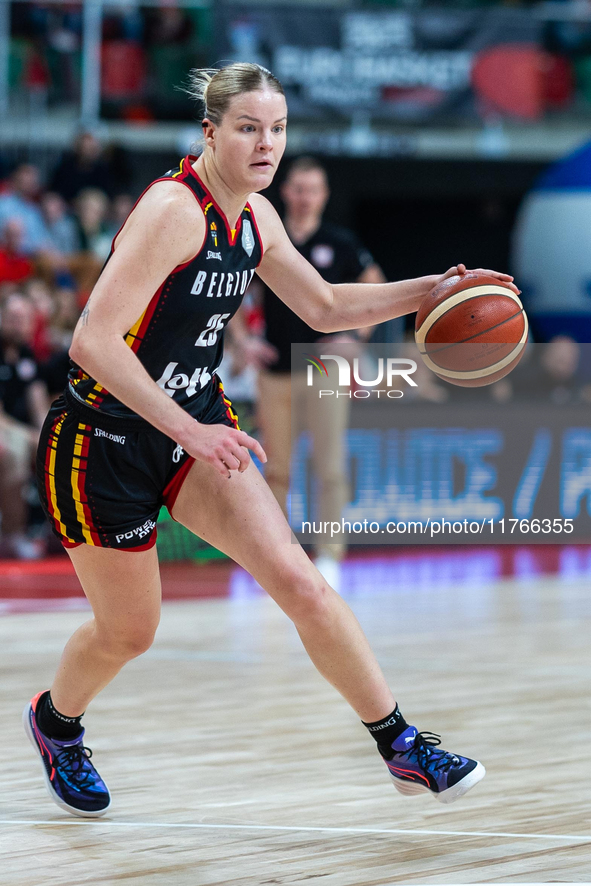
[335, 307]
[166, 229]
[371, 274]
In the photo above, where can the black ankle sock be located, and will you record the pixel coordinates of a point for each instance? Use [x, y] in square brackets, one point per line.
[54, 724]
[387, 730]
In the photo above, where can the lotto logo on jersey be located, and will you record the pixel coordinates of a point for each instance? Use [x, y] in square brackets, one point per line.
[169, 382]
[213, 228]
[218, 284]
[247, 237]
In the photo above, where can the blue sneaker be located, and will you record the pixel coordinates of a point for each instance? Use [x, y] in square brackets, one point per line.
[71, 779]
[418, 765]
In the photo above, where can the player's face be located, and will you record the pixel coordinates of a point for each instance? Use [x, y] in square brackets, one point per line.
[305, 193]
[250, 140]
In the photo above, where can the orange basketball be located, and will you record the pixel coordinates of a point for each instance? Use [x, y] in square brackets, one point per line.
[471, 330]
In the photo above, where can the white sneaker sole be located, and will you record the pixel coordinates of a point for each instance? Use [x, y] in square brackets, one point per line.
[411, 788]
[57, 800]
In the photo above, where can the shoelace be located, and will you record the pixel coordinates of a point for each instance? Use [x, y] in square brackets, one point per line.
[73, 760]
[424, 747]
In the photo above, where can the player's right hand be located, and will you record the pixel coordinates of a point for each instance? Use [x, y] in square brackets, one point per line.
[224, 448]
[462, 269]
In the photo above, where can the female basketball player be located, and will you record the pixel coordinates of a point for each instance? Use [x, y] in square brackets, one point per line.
[144, 421]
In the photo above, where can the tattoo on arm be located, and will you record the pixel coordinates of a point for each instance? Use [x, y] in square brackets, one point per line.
[85, 315]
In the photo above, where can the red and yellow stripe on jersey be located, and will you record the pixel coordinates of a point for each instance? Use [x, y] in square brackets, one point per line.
[134, 339]
[135, 336]
[181, 170]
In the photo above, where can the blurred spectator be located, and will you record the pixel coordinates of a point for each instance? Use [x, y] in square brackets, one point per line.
[23, 405]
[82, 167]
[19, 201]
[21, 394]
[120, 167]
[61, 227]
[41, 297]
[120, 209]
[51, 254]
[172, 48]
[53, 31]
[552, 375]
[123, 22]
[63, 320]
[91, 208]
[166, 25]
[15, 266]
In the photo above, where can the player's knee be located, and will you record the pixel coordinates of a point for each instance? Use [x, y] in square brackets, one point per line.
[308, 595]
[129, 642]
[139, 642]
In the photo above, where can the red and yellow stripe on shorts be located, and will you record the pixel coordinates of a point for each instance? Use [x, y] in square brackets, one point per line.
[50, 488]
[228, 404]
[78, 481]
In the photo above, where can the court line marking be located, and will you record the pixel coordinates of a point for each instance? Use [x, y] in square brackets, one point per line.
[297, 828]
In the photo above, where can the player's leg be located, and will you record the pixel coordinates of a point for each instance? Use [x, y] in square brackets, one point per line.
[274, 416]
[123, 589]
[241, 517]
[327, 420]
[109, 499]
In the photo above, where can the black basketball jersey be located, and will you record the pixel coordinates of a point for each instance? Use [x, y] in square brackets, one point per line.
[179, 337]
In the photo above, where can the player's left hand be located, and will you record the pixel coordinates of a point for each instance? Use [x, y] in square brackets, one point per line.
[460, 270]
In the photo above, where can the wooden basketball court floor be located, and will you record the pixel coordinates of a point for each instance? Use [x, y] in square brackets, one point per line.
[230, 761]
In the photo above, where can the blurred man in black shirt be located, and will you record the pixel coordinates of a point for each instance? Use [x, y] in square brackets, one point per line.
[340, 258]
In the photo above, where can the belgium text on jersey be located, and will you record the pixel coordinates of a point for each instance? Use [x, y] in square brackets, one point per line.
[215, 284]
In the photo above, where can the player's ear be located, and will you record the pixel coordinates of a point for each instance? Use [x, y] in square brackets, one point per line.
[208, 132]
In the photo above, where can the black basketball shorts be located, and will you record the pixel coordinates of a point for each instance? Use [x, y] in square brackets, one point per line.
[102, 480]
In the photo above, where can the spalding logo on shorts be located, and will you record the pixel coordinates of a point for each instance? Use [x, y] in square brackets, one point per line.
[247, 237]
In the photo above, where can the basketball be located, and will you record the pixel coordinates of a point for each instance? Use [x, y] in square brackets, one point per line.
[471, 330]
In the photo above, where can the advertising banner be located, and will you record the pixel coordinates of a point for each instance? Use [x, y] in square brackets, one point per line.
[420, 461]
[395, 65]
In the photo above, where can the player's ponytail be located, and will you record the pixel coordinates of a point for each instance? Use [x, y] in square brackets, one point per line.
[215, 88]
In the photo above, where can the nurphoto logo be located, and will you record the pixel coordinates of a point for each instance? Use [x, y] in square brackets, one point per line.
[390, 371]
